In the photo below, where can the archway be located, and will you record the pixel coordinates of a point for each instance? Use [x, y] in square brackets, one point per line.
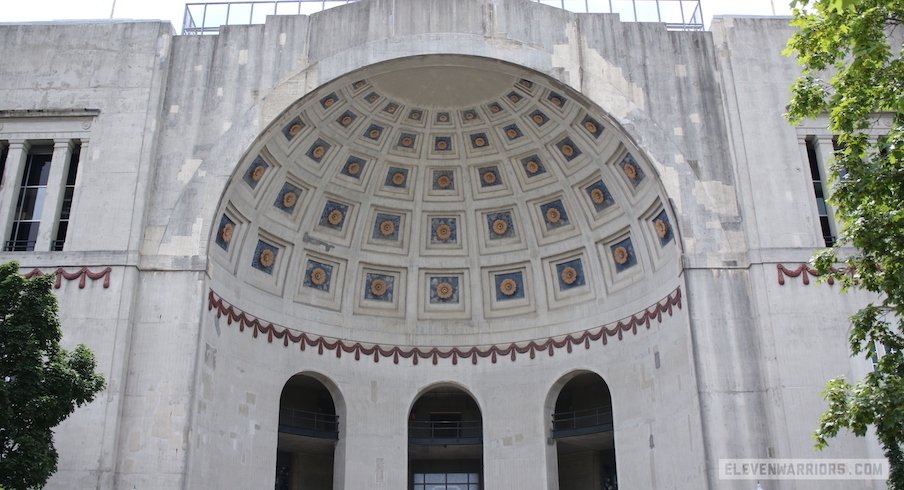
[445, 441]
[581, 426]
[308, 436]
[440, 201]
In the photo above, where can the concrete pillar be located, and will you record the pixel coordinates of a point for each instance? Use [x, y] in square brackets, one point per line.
[9, 186]
[73, 233]
[56, 187]
[815, 227]
[514, 441]
[375, 454]
[825, 154]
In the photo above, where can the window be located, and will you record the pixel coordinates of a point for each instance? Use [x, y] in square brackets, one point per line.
[39, 207]
[878, 351]
[826, 221]
[68, 192]
[446, 481]
[40, 156]
[30, 204]
[819, 146]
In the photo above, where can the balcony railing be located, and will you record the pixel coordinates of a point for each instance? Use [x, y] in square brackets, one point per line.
[311, 424]
[19, 246]
[208, 17]
[444, 432]
[580, 422]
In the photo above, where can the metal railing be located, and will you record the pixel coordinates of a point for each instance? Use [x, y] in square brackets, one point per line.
[208, 17]
[429, 432]
[29, 245]
[19, 246]
[305, 423]
[579, 422]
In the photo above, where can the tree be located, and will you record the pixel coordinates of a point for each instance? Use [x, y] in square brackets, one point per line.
[40, 383]
[860, 43]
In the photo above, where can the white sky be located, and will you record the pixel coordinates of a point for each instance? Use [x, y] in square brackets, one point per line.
[173, 10]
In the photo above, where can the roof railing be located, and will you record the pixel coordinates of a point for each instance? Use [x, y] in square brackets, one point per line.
[208, 17]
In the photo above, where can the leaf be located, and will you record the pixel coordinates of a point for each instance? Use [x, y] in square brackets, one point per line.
[839, 6]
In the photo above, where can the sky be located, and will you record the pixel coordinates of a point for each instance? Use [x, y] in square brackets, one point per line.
[173, 10]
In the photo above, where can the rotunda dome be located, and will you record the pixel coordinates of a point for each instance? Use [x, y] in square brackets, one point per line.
[443, 200]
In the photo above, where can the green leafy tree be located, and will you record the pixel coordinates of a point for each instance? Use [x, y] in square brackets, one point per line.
[859, 44]
[40, 383]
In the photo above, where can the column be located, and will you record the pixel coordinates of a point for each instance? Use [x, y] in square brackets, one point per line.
[9, 186]
[56, 186]
[807, 176]
[825, 155]
[72, 235]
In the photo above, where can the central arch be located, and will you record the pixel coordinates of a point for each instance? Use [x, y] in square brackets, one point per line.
[445, 440]
[580, 423]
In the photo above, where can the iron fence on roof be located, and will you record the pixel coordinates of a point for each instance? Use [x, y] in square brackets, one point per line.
[208, 17]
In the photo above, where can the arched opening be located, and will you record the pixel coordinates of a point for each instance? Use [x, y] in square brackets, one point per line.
[445, 441]
[582, 428]
[308, 435]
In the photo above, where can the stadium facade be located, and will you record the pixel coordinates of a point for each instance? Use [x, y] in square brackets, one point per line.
[427, 244]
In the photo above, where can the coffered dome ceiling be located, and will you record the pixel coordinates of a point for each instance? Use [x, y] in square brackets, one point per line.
[443, 199]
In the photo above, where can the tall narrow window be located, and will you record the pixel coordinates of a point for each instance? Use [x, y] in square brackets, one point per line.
[3, 152]
[819, 189]
[878, 351]
[32, 192]
[68, 192]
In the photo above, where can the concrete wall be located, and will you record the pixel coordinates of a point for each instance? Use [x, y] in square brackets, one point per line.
[794, 321]
[118, 70]
[193, 403]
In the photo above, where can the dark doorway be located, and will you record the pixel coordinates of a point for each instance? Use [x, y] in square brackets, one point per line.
[582, 428]
[445, 442]
[308, 432]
